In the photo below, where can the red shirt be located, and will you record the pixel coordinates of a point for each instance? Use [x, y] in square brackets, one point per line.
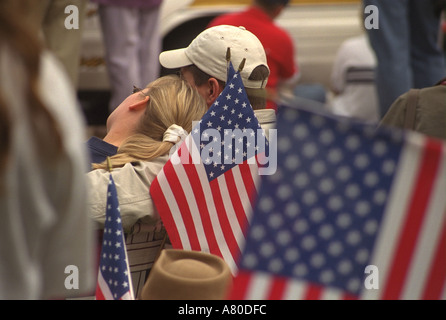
[278, 45]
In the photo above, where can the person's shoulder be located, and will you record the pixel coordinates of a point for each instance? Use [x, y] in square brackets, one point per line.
[280, 34]
[149, 167]
[227, 18]
[97, 143]
[265, 116]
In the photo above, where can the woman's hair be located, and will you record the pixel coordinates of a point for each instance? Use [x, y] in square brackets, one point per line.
[171, 101]
[18, 37]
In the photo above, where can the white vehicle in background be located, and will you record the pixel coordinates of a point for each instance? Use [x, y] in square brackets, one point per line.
[318, 28]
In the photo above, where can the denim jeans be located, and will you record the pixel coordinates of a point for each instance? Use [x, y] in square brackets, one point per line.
[407, 47]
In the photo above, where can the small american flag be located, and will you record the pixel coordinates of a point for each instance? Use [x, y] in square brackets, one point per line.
[205, 192]
[352, 213]
[114, 282]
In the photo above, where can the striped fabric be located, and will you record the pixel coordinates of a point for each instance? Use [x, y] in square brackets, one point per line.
[205, 192]
[352, 213]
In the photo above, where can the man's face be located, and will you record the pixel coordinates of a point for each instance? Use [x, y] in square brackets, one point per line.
[203, 90]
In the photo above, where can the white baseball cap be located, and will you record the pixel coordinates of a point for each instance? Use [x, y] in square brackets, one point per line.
[208, 52]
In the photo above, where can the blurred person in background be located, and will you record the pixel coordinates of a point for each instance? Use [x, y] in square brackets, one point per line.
[45, 226]
[422, 110]
[132, 44]
[406, 42]
[259, 18]
[61, 22]
[353, 81]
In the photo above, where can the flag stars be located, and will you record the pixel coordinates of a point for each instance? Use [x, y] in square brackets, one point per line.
[112, 261]
[228, 119]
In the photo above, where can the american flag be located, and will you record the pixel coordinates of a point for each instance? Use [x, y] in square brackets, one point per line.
[114, 282]
[205, 192]
[353, 212]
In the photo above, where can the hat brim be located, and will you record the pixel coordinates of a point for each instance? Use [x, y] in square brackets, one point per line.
[174, 59]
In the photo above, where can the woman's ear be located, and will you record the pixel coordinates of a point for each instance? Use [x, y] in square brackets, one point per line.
[140, 104]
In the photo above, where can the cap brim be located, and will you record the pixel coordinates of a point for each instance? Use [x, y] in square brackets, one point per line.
[174, 59]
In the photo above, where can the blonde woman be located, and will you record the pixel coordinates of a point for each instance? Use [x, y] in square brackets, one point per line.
[157, 117]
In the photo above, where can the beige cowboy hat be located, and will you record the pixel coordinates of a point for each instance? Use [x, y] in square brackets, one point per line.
[187, 275]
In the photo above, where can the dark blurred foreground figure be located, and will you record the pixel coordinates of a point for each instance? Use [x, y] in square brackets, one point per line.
[45, 239]
[407, 46]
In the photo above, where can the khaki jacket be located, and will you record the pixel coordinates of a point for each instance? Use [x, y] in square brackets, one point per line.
[428, 115]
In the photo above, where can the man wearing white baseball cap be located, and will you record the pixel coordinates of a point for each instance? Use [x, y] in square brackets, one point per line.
[204, 64]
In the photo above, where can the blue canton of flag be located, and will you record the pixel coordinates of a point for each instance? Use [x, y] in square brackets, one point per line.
[229, 133]
[114, 282]
[346, 199]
